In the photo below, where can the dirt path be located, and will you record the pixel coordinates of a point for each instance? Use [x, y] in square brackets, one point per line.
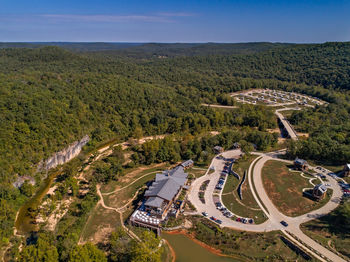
[129, 177]
[102, 203]
[220, 106]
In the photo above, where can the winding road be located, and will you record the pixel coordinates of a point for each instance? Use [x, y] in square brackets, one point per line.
[292, 231]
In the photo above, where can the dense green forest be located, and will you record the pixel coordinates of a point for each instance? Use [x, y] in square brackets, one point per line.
[52, 96]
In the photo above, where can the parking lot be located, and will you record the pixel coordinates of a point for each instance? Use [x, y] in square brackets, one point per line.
[276, 98]
[213, 208]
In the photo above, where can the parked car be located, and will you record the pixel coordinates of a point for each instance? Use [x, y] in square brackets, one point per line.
[228, 214]
[238, 219]
[251, 221]
[284, 223]
[219, 221]
[213, 218]
[205, 214]
[218, 204]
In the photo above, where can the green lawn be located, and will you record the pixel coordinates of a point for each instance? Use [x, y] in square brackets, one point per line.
[231, 184]
[100, 224]
[245, 207]
[131, 175]
[243, 164]
[246, 246]
[327, 232]
[197, 172]
[120, 198]
[230, 201]
[285, 189]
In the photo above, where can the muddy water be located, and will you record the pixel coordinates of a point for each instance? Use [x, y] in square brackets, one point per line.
[187, 250]
[25, 218]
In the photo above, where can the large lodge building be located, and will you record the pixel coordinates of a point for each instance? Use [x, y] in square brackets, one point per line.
[160, 197]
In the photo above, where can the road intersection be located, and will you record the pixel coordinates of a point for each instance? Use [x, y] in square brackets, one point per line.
[274, 216]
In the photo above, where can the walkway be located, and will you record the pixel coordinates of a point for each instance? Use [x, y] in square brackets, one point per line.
[292, 232]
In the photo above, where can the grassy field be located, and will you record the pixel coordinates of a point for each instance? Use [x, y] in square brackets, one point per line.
[231, 202]
[247, 207]
[103, 221]
[243, 164]
[132, 175]
[100, 224]
[240, 167]
[328, 234]
[121, 197]
[231, 184]
[285, 189]
[248, 246]
[197, 172]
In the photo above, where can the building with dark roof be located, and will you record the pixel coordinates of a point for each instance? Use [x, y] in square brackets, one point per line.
[163, 191]
[218, 149]
[301, 164]
[319, 191]
[187, 164]
[159, 199]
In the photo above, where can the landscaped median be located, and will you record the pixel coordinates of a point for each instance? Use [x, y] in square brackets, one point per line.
[247, 206]
[285, 189]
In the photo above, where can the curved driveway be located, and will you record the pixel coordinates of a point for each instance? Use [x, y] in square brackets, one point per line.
[209, 205]
[293, 231]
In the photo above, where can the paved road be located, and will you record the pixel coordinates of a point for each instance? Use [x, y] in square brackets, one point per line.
[209, 205]
[293, 231]
[286, 124]
[275, 216]
[220, 106]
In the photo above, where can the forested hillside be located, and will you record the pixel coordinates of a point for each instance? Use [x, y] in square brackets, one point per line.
[50, 97]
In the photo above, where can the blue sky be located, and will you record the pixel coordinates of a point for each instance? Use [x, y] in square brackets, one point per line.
[175, 21]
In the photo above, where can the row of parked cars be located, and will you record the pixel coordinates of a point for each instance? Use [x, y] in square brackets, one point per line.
[345, 187]
[212, 218]
[245, 220]
[221, 182]
[223, 210]
[224, 174]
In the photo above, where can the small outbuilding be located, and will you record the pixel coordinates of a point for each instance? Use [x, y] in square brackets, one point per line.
[319, 191]
[187, 164]
[301, 164]
[346, 170]
[218, 149]
[236, 145]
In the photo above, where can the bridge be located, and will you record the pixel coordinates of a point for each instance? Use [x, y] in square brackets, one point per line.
[291, 132]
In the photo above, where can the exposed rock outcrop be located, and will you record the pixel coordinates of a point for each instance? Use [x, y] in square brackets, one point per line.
[20, 181]
[65, 155]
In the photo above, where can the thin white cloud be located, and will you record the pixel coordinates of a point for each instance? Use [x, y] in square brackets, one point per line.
[161, 17]
[179, 14]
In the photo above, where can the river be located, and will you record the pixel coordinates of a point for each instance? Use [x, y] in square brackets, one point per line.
[187, 250]
[25, 222]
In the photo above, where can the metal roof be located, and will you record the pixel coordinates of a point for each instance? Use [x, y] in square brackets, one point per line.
[154, 202]
[300, 161]
[322, 188]
[187, 163]
[167, 184]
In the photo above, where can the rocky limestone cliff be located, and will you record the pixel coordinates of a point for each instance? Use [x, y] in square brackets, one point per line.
[65, 155]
